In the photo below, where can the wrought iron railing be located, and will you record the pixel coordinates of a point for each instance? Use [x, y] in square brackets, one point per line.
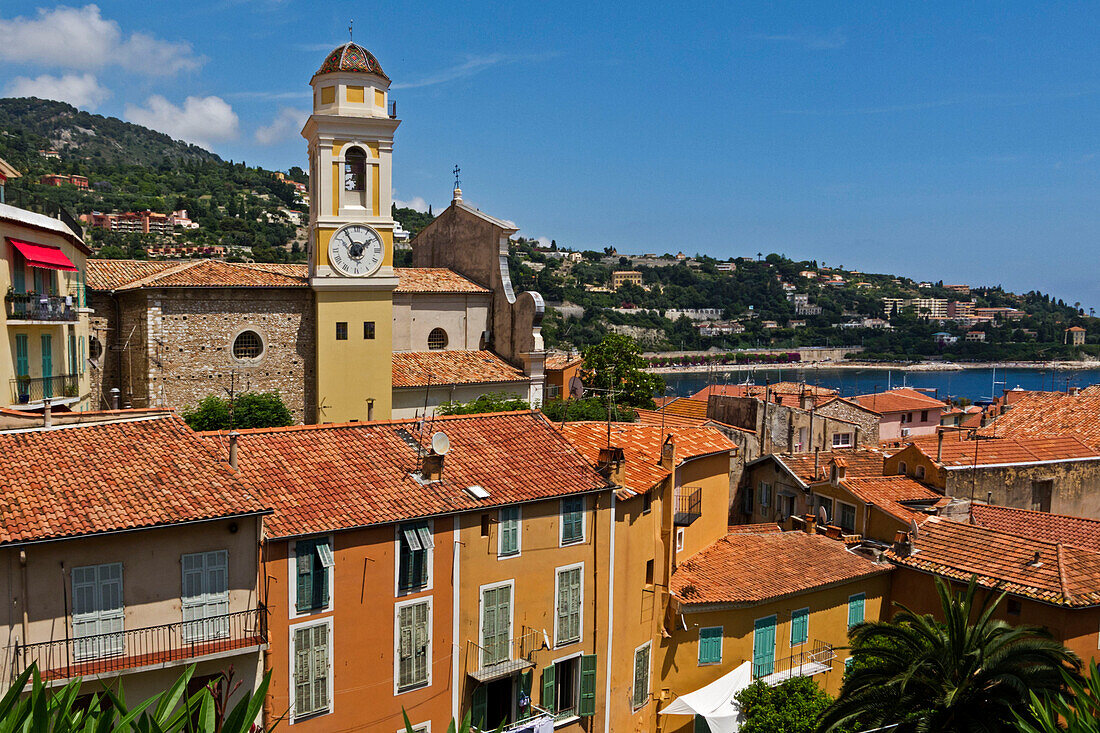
[128, 649]
[502, 659]
[36, 389]
[808, 661]
[688, 506]
[24, 199]
[41, 307]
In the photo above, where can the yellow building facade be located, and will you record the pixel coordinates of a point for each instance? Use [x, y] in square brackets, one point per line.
[350, 136]
[45, 333]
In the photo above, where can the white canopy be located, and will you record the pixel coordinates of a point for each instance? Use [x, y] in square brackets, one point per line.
[715, 701]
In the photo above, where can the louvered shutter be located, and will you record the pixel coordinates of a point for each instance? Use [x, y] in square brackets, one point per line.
[22, 361]
[479, 707]
[641, 676]
[504, 621]
[303, 550]
[111, 613]
[800, 626]
[548, 702]
[320, 575]
[320, 666]
[303, 664]
[216, 579]
[193, 599]
[563, 607]
[575, 604]
[855, 610]
[587, 705]
[85, 611]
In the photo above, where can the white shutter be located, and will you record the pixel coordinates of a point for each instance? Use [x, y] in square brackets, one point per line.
[192, 597]
[217, 594]
[425, 536]
[85, 611]
[575, 603]
[303, 682]
[98, 613]
[320, 666]
[411, 538]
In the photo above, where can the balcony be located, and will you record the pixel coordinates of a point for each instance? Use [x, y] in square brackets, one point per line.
[41, 307]
[153, 646]
[806, 663]
[514, 655]
[29, 390]
[688, 506]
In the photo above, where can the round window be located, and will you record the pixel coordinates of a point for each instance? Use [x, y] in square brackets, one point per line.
[437, 339]
[248, 345]
[95, 348]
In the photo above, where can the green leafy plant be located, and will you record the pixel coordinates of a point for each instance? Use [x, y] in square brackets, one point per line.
[793, 707]
[1075, 711]
[248, 410]
[616, 364]
[490, 402]
[967, 673]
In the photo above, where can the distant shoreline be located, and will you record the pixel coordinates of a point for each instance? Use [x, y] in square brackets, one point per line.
[884, 366]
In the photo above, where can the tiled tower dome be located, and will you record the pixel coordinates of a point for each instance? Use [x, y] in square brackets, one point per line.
[352, 57]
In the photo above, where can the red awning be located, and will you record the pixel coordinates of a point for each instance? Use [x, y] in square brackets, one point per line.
[44, 256]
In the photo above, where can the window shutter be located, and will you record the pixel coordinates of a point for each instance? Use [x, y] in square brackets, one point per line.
[587, 705]
[22, 361]
[547, 700]
[406, 637]
[799, 626]
[641, 676]
[480, 705]
[563, 607]
[304, 551]
[855, 610]
[320, 665]
[303, 699]
[320, 577]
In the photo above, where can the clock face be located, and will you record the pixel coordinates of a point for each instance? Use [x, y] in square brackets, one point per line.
[356, 250]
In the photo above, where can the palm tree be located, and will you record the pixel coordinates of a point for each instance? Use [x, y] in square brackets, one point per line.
[923, 675]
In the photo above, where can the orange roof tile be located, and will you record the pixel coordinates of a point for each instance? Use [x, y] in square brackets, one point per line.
[902, 399]
[899, 496]
[641, 445]
[134, 274]
[77, 480]
[561, 361]
[1077, 531]
[417, 368]
[758, 390]
[656, 417]
[1047, 414]
[957, 454]
[1065, 575]
[859, 462]
[753, 567]
[333, 477]
[685, 407]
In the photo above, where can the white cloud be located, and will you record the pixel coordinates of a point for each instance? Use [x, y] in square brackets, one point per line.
[543, 241]
[471, 66]
[287, 123]
[416, 202]
[81, 38]
[201, 120]
[78, 90]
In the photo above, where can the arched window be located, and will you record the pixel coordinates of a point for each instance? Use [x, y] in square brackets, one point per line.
[95, 348]
[248, 345]
[355, 170]
[437, 339]
[902, 468]
[919, 471]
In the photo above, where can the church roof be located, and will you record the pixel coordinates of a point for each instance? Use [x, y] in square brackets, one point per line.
[417, 368]
[206, 273]
[352, 57]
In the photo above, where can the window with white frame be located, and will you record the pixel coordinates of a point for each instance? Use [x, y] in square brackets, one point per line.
[640, 694]
[842, 440]
[570, 589]
[572, 520]
[312, 669]
[98, 612]
[313, 562]
[508, 537]
[205, 595]
[413, 644]
[415, 546]
[679, 539]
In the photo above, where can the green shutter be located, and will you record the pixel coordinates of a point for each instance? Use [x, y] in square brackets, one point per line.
[526, 680]
[710, 645]
[855, 610]
[480, 706]
[641, 676]
[303, 684]
[763, 647]
[800, 621]
[47, 365]
[19, 272]
[547, 700]
[320, 576]
[83, 357]
[22, 360]
[320, 666]
[72, 352]
[303, 551]
[587, 705]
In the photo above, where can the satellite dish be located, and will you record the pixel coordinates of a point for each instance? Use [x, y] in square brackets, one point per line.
[440, 443]
[576, 387]
[822, 515]
[912, 529]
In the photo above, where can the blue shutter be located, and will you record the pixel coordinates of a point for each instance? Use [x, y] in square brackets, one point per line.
[22, 360]
[47, 365]
[800, 622]
[710, 645]
[855, 609]
[763, 647]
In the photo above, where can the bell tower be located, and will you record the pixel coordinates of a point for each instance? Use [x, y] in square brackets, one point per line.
[350, 135]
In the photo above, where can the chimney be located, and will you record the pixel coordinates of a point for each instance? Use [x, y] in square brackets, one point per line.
[809, 523]
[114, 398]
[668, 454]
[903, 545]
[233, 435]
[47, 414]
[431, 467]
[939, 446]
[612, 465]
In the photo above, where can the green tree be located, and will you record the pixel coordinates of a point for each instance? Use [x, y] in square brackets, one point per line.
[490, 402]
[966, 673]
[248, 410]
[212, 413]
[616, 364]
[793, 707]
[589, 408]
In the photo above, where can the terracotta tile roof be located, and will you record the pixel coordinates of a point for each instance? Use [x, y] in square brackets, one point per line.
[414, 368]
[333, 477]
[860, 462]
[889, 492]
[1047, 414]
[902, 399]
[1004, 451]
[656, 417]
[1065, 576]
[134, 274]
[641, 446]
[433, 280]
[685, 407]
[753, 567]
[846, 401]
[1076, 531]
[758, 390]
[561, 361]
[104, 477]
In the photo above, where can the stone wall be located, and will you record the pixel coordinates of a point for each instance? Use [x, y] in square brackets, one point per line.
[781, 428]
[867, 420]
[171, 348]
[1075, 486]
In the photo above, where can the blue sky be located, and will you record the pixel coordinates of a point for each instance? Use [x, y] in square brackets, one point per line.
[954, 141]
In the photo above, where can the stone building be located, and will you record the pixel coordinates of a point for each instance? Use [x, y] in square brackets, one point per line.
[788, 429]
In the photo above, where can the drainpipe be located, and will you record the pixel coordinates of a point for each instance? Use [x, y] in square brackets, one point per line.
[23, 592]
[610, 617]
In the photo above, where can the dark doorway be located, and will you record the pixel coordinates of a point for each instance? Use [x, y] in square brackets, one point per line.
[499, 702]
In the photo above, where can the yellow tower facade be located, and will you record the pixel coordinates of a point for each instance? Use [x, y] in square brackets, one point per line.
[350, 135]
